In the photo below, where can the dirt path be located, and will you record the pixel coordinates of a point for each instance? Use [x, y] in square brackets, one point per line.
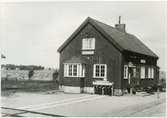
[154, 111]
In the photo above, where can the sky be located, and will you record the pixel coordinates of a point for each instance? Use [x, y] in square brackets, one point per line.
[31, 32]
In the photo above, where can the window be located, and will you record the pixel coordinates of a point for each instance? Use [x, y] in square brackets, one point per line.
[88, 44]
[125, 71]
[134, 72]
[150, 72]
[142, 61]
[142, 72]
[74, 70]
[100, 71]
[70, 70]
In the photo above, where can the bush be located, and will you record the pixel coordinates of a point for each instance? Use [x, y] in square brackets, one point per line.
[55, 75]
[149, 90]
[31, 73]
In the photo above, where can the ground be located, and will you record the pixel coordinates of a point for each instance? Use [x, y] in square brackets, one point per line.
[155, 111]
[63, 104]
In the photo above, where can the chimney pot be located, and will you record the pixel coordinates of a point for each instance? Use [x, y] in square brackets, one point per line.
[119, 20]
[120, 27]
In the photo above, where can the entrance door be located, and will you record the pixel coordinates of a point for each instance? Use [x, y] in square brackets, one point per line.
[82, 84]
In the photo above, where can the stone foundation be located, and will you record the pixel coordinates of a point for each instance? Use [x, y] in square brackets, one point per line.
[71, 89]
[118, 92]
[89, 90]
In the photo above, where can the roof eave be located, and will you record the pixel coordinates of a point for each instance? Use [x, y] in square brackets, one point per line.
[92, 22]
[153, 56]
[73, 35]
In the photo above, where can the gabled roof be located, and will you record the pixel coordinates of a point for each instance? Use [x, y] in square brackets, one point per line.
[123, 41]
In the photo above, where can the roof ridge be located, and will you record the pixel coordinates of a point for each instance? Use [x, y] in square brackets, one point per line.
[122, 34]
[107, 25]
[121, 40]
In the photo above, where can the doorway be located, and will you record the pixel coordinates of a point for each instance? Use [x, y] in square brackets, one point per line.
[82, 84]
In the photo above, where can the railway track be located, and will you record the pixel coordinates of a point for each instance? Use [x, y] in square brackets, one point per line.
[12, 112]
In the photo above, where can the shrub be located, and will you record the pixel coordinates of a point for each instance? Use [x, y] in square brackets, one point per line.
[55, 75]
[31, 73]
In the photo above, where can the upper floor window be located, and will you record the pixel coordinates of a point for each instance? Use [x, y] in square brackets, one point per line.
[100, 71]
[88, 44]
[142, 72]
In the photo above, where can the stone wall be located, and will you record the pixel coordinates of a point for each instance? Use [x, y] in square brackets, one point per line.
[43, 75]
[14, 74]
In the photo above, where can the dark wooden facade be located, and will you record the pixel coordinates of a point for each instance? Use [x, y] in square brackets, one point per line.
[135, 59]
[103, 49]
[105, 52]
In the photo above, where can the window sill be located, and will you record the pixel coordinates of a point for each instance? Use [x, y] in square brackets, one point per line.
[99, 77]
[87, 52]
[87, 49]
[74, 76]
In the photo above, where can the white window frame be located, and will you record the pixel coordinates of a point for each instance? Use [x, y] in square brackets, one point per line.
[126, 71]
[105, 71]
[150, 72]
[142, 72]
[134, 72]
[143, 61]
[80, 70]
[88, 43]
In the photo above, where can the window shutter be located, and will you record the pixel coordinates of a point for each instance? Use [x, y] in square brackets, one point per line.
[142, 72]
[149, 72]
[93, 43]
[87, 43]
[83, 43]
[125, 71]
[67, 70]
[94, 70]
[83, 70]
[80, 70]
[105, 69]
[64, 70]
[152, 72]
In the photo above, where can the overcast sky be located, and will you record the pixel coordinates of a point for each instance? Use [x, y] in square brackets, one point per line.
[31, 32]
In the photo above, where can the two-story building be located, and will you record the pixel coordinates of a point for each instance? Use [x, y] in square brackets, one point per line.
[99, 55]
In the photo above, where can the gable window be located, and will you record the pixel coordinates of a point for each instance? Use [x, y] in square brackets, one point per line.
[100, 71]
[88, 44]
[74, 70]
[151, 72]
[142, 72]
[125, 71]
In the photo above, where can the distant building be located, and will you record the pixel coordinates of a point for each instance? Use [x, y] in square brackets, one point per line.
[162, 75]
[99, 55]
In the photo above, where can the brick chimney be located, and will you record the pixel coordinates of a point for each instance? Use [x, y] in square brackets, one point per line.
[120, 27]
